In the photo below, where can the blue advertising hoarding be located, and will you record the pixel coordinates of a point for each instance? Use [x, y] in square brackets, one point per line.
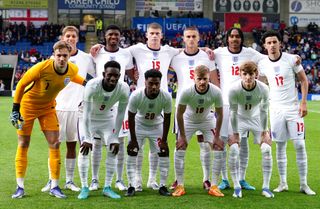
[92, 4]
[172, 26]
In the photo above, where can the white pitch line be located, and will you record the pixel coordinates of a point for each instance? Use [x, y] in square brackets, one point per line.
[315, 111]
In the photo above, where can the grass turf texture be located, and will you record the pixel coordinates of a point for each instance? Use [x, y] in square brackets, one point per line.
[196, 197]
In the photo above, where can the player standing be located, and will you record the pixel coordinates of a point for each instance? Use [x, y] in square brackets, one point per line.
[286, 112]
[111, 51]
[228, 60]
[36, 93]
[184, 65]
[151, 56]
[68, 101]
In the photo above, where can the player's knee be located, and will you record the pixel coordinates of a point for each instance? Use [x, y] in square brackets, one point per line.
[205, 147]
[234, 150]
[299, 144]
[265, 149]
[54, 144]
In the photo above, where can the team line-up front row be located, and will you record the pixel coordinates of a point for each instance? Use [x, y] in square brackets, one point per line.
[201, 107]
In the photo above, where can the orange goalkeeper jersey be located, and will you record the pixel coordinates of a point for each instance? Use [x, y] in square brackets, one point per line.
[41, 84]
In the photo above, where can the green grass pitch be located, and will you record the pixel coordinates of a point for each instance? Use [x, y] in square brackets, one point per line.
[196, 197]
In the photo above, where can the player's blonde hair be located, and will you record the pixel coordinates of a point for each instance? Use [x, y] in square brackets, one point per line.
[62, 45]
[201, 70]
[70, 28]
[249, 67]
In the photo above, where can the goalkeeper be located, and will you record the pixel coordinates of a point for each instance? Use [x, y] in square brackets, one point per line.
[35, 99]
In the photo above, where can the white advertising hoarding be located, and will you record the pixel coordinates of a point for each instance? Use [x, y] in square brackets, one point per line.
[302, 20]
[304, 6]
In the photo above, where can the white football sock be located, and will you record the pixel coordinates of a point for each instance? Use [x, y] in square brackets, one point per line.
[111, 163]
[164, 164]
[70, 164]
[281, 155]
[179, 165]
[153, 166]
[233, 161]
[83, 166]
[96, 157]
[120, 159]
[301, 159]
[266, 152]
[244, 157]
[131, 170]
[205, 158]
[216, 168]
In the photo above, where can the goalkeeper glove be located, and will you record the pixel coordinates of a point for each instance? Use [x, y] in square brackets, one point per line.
[15, 116]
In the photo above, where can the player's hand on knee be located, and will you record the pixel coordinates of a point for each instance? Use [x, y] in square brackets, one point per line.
[15, 116]
[114, 148]
[218, 144]
[234, 139]
[133, 148]
[265, 138]
[85, 148]
[163, 148]
[181, 143]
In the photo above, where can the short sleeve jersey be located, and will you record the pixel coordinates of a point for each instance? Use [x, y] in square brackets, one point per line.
[147, 59]
[70, 97]
[198, 104]
[122, 56]
[228, 64]
[281, 78]
[184, 65]
[149, 110]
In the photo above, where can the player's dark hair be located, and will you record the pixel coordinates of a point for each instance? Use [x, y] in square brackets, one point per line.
[113, 27]
[270, 33]
[112, 63]
[240, 33]
[152, 73]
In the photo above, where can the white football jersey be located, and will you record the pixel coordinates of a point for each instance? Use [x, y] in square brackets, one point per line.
[281, 78]
[147, 59]
[184, 65]
[71, 96]
[246, 103]
[199, 105]
[228, 64]
[101, 101]
[149, 110]
[122, 56]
